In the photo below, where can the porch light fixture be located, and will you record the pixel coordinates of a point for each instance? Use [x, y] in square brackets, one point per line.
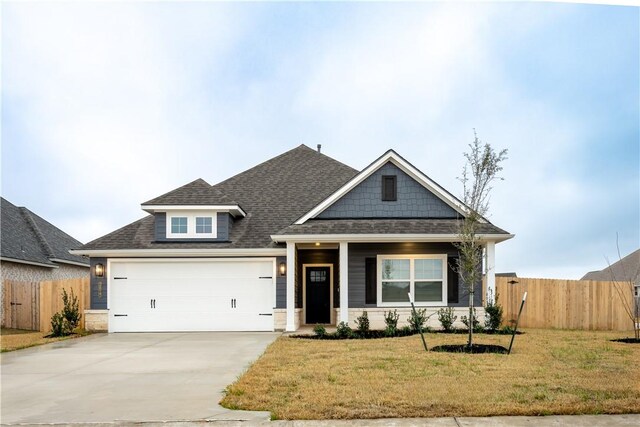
[317, 243]
[99, 270]
[282, 268]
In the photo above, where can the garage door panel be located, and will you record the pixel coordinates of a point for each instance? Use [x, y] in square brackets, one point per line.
[191, 296]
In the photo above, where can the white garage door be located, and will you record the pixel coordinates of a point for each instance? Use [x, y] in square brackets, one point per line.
[208, 295]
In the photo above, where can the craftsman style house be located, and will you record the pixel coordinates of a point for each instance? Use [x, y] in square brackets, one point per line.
[299, 239]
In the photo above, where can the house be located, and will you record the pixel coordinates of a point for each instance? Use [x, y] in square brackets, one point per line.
[34, 250]
[624, 270]
[299, 239]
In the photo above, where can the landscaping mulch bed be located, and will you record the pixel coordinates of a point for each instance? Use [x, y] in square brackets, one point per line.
[475, 349]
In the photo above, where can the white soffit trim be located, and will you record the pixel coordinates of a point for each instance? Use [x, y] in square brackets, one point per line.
[64, 261]
[406, 167]
[162, 253]
[365, 238]
[234, 210]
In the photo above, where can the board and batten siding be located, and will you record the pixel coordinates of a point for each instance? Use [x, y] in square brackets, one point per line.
[98, 286]
[281, 284]
[365, 200]
[359, 252]
[224, 223]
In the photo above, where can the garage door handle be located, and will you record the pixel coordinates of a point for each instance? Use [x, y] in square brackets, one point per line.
[119, 278]
[233, 303]
[120, 315]
[265, 314]
[265, 277]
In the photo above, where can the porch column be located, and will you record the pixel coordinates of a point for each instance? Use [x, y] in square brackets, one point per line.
[291, 286]
[344, 282]
[490, 272]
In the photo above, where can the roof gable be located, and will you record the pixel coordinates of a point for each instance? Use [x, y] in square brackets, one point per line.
[196, 193]
[365, 199]
[393, 158]
[29, 238]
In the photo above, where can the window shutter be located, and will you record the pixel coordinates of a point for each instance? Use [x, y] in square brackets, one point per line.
[452, 280]
[370, 279]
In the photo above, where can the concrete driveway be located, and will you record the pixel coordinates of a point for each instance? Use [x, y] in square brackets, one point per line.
[128, 377]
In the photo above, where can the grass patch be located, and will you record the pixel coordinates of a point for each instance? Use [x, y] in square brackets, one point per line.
[16, 339]
[548, 372]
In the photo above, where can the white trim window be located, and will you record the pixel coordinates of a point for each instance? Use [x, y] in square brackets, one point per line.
[424, 276]
[191, 225]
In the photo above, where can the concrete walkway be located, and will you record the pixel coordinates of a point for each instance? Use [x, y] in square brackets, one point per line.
[128, 377]
[548, 421]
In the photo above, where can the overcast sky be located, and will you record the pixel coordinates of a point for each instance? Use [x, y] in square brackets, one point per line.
[107, 105]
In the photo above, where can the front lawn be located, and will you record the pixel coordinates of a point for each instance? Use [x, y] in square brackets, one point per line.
[548, 372]
[16, 339]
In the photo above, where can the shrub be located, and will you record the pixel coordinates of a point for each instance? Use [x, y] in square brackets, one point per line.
[417, 319]
[70, 311]
[446, 317]
[493, 315]
[391, 320]
[405, 331]
[319, 330]
[363, 323]
[476, 323]
[57, 325]
[343, 330]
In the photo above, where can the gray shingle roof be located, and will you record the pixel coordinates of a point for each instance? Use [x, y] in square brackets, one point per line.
[273, 194]
[28, 237]
[383, 226]
[197, 192]
[628, 268]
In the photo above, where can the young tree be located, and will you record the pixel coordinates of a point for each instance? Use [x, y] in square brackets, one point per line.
[481, 168]
[625, 281]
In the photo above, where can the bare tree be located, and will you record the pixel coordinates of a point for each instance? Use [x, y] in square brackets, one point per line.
[625, 284]
[481, 168]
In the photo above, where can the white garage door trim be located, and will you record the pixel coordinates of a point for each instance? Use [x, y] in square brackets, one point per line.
[164, 261]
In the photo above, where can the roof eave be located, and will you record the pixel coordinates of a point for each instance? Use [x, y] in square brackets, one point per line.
[234, 210]
[365, 238]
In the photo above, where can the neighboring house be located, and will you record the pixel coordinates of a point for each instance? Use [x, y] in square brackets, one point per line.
[299, 239]
[624, 270]
[34, 250]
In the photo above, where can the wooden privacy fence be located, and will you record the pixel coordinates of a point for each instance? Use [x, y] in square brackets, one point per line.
[563, 304]
[30, 305]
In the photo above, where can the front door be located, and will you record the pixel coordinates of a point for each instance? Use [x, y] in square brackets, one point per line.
[318, 295]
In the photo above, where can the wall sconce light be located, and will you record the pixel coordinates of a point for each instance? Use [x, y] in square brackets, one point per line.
[99, 270]
[282, 268]
[317, 243]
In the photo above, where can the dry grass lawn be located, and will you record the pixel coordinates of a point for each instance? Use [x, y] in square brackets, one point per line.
[16, 339]
[548, 372]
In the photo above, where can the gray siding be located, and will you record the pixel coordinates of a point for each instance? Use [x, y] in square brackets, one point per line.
[224, 223]
[358, 252]
[98, 285]
[281, 284]
[161, 226]
[365, 200]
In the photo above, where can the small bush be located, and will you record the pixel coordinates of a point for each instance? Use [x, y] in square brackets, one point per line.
[417, 319]
[493, 315]
[391, 320]
[446, 317]
[319, 330]
[343, 330]
[405, 331]
[476, 323]
[70, 311]
[57, 325]
[363, 323]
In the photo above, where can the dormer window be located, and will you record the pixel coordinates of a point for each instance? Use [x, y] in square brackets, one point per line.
[204, 225]
[191, 225]
[179, 225]
[389, 188]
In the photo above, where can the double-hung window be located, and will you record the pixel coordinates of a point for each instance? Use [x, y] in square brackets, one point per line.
[422, 276]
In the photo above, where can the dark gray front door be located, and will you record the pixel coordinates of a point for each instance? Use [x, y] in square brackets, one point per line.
[318, 295]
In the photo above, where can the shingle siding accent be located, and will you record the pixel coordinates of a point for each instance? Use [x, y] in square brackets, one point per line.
[161, 226]
[365, 201]
[358, 252]
[98, 285]
[223, 222]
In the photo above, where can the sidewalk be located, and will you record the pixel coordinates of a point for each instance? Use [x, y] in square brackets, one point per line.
[629, 420]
